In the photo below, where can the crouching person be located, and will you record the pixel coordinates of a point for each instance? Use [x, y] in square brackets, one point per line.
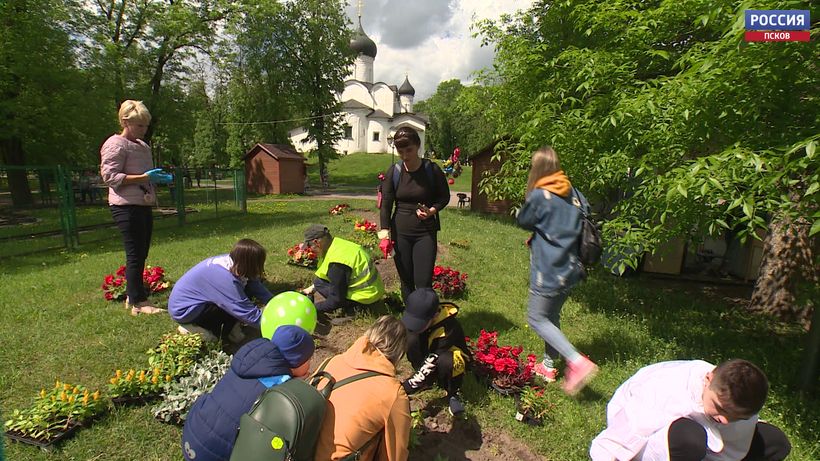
[214, 297]
[370, 416]
[435, 346]
[690, 411]
[346, 276]
[211, 426]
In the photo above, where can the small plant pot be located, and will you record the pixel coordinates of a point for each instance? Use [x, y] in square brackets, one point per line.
[46, 444]
[522, 417]
[134, 400]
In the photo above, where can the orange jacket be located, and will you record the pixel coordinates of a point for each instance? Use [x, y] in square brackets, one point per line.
[360, 410]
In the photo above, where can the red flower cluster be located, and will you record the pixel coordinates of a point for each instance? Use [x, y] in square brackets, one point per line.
[114, 285]
[448, 282]
[339, 209]
[501, 363]
[302, 256]
[365, 226]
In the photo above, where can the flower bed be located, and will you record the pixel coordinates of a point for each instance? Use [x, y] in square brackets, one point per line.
[180, 395]
[448, 282]
[55, 415]
[298, 255]
[339, 209]
[114, 285]
[501, 365]
[365, 226]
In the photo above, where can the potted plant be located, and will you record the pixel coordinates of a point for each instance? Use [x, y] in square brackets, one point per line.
[114, 285]
[448, 282]
[532, 406]
[501, 366]
[299, 255]
[136, 386]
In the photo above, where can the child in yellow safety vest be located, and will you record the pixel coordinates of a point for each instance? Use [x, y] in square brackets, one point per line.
[435, 346]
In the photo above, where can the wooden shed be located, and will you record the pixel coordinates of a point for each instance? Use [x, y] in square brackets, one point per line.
[483, 163]
[274, 169]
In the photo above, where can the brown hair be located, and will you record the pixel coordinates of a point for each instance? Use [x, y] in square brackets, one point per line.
[544, 162]
[406, 136]
[740, 386]
[389, 337]
[248, 259]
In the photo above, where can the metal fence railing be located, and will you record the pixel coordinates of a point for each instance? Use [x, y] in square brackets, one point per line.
[53, 206]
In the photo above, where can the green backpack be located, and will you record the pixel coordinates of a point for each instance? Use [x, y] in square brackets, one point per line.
[285, 421]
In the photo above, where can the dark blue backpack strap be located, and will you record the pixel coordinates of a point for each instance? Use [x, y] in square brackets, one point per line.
[428, 168]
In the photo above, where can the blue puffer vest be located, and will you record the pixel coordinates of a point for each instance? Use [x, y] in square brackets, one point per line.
[211, 426]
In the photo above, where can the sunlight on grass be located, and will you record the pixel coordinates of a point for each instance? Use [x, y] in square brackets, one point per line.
[56, 325]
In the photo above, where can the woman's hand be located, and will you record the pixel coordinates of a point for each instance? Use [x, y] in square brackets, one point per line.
[423, 212]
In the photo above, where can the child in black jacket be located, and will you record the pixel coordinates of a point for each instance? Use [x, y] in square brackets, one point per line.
[435, 346]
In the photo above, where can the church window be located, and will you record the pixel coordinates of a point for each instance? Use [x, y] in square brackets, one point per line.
[348, 132]
[376, 135]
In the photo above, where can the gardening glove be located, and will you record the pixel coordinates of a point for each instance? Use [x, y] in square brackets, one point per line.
[157, 176]
[386, 245]
[416, 382]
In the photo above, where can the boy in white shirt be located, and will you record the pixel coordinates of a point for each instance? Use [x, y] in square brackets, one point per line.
[690, 411]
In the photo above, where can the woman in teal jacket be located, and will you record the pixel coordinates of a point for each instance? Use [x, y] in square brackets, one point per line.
[552, 211]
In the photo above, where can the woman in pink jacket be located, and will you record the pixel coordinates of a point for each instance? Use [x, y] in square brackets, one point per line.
[126, 167]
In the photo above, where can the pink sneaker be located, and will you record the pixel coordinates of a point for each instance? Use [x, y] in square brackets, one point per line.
[547, 374]
[578, 374]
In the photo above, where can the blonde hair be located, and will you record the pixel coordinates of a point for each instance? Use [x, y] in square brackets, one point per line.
[544, 162]
[133, 110]
[389, 337]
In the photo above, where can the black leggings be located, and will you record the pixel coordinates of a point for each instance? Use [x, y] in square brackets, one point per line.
[215, 320]
[136, 224]
[687, 442]
[415, 258]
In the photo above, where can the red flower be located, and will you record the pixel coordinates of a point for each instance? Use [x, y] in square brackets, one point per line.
[121, 271]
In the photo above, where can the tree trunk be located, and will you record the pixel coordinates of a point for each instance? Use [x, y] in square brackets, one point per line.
[11, 151]
[787, 269]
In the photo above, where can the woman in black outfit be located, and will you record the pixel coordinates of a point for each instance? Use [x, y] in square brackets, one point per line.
[419, 193]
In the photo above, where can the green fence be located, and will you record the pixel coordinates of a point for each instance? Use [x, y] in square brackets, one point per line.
[49, 207]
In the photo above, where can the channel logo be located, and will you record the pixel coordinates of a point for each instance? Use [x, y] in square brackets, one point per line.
[777, 25]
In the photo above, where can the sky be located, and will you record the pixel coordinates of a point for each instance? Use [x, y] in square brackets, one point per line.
[430, 41]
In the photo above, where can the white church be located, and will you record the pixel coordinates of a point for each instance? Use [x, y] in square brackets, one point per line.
[373, 111]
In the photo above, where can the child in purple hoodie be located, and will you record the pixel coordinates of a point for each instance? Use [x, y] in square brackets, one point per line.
[215, 296]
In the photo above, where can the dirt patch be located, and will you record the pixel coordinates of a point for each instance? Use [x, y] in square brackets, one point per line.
[388, 273]
[457, 439]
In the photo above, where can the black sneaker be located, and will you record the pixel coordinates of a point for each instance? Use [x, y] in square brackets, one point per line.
[456, 407]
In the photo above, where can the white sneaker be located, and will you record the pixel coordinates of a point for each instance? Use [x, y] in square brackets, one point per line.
[190, 329]
[236, 335]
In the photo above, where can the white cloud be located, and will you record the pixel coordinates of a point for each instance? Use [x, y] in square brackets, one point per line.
[429, 40]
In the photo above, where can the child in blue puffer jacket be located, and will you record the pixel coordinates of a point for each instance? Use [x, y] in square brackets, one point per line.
[552, 211]
[212, 424]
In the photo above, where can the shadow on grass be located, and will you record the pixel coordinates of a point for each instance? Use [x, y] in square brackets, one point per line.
[472, 320]
[234, 224]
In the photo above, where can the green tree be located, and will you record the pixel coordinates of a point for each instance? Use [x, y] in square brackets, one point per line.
[46, 105]
[670, 120]
[315, 37]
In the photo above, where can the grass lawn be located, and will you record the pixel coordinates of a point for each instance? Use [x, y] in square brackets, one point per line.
[359, 171]
[55, 324]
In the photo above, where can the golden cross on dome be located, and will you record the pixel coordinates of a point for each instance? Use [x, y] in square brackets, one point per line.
[360, 8]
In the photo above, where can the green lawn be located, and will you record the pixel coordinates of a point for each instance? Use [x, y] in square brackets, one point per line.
[359, 172]
[54, 324]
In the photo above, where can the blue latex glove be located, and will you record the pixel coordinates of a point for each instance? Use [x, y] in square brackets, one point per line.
[155, 175]
[166, 178]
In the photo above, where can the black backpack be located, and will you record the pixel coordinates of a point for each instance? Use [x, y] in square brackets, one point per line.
[589, 242]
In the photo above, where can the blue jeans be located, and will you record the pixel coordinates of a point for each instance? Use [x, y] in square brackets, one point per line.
[544, 317]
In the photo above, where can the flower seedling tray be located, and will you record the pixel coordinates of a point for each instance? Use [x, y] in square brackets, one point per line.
[505, 391]
[133, 400]
[46, 444]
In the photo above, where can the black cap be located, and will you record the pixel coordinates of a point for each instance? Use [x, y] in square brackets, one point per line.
[315, 231]
[421, 307]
